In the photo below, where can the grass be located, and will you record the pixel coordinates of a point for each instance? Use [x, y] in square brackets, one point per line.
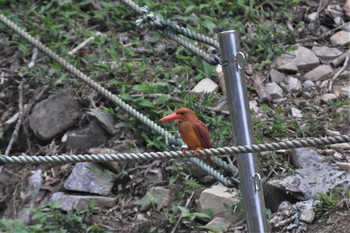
[166, 70]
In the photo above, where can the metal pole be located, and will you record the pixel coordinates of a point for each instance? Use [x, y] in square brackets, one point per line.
[233, 62]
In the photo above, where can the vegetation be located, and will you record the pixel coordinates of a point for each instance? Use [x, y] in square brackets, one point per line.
[155, 76]
[49, 219]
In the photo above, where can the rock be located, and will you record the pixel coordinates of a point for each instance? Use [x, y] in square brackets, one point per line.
[308, 84]
[343, 166]
[341, 38]
[293, 85]
[312, 17]
[326, 53]
[328, 97]
[206, 85]
[346, 8]
[216, 197]
[316, 175]
[253, 105]
[162, 198]
[274, 90]
[345, 74]
[329, 132]
[276, 76]
[340, 146]
[54, 115]
[338, 156]
[307, 216]
[302, 59]
[113, 166]
[320, 73]
[218, 224]
[275, 194]
[105, 119]
[79, 203]
[81, 140]
[345, 91]
[296, 113]
[89, 177]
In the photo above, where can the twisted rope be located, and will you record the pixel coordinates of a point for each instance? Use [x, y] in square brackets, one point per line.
[177, 154]
[171, 30]
[145, 120]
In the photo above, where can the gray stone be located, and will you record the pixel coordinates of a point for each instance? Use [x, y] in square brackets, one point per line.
[326, 98]
[89, 177]
[344, 75]
[76, 202]
[206, 85]
[316, 175]
[326, 53]
[340, 146]
[54, 115]
[343, 166]
[216, 197]
[276, 76]
[253, 105]
[81, 140]
[219, 224]
[312, 17]
[106, 119]
[162, 198]
[341, 38]
[274, 90]
[302, 59]
[308, 84]
[345, 91]
[293, 85]
[296, 112]
[307, 216]
[320, 73]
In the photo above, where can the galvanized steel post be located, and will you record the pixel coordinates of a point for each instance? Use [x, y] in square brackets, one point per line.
[233, 63]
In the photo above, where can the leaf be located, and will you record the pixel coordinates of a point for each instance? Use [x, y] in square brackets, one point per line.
[145, 103]
[184, 212]
[162, 99]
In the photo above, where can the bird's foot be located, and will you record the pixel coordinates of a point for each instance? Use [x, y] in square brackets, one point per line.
[184, 151]
[197, 149]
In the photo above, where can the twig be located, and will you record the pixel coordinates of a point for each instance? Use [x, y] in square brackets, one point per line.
[20, 118]
[83, 44]
[153, 96]
[346, 63]
[259, 86]
[186, 205]
[334, 29]
[337, 61]
[34, 56]
[321, 6]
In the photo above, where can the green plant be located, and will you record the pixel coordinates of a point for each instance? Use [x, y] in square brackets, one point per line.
[326, 201]
[188, 217]
[48, 219]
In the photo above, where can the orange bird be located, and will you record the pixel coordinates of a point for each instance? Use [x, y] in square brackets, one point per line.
[193, 131]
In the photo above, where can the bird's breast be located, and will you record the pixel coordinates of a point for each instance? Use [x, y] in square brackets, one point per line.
[188, 135]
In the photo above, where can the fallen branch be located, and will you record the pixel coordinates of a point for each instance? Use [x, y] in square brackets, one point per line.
[83, 44]
[34, 56]
[346, 63]
[20, 118]
[186, 205]
[260, 89]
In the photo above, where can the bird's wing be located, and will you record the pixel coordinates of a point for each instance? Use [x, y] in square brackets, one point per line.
[202, 132]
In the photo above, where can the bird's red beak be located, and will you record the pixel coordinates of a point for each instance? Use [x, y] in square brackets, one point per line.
[171, 117]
